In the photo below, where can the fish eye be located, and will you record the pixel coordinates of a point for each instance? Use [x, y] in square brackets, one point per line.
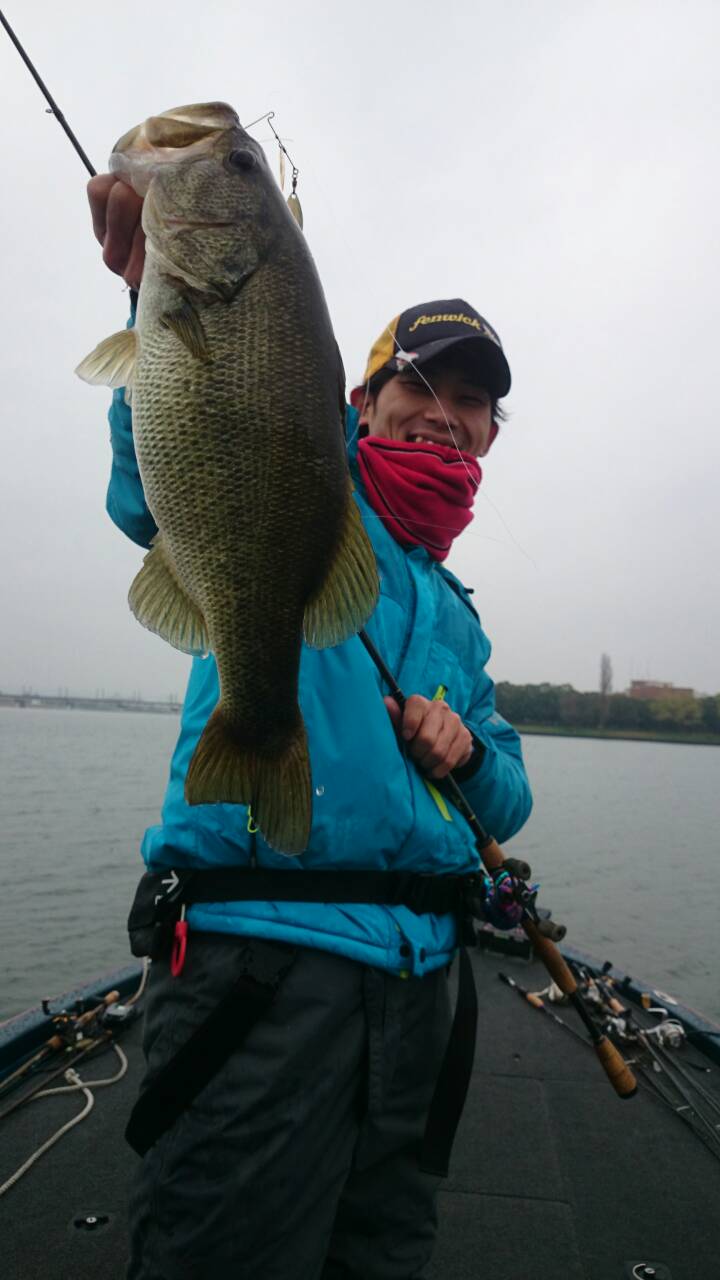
[243, 160]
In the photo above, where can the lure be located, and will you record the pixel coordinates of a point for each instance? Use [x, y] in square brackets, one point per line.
[294, 206]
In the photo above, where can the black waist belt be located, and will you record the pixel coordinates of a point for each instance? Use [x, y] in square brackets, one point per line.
[158, 902]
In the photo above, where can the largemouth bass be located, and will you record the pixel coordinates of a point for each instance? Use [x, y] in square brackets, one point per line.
[237, 393]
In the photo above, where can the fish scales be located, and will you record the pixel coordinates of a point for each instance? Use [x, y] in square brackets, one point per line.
[236, 387]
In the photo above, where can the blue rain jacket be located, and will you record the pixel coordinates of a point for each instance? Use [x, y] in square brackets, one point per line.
[371, 807]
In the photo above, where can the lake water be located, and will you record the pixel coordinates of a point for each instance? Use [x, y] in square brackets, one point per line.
[624, 838]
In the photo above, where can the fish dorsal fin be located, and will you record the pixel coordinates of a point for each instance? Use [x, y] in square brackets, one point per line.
[112, 363]
[162, 604]
[350, 590]
[187, 326]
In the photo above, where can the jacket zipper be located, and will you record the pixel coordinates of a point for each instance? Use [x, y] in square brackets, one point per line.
[409, 621]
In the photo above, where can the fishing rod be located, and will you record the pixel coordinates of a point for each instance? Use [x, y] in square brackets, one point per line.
[680, 1079]
[53, 108]
[689, 1112]
[665, 1064]
[103, 1038]
[540, 932]
[69, 1030]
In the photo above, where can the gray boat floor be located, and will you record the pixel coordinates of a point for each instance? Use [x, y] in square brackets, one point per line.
[552, 1176]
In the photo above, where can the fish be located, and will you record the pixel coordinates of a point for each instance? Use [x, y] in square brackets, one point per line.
[238, 400]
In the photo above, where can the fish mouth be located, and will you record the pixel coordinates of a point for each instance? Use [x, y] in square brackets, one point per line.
[185, 133]
[180, 127]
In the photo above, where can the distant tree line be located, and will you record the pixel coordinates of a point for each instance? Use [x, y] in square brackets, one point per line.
[562, 706]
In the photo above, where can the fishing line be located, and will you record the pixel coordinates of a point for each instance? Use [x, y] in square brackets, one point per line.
[467, 533]
[483, 493]
[293, 201]
[337, 223]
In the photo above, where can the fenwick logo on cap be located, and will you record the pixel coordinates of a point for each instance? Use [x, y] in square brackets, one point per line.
[458, 317]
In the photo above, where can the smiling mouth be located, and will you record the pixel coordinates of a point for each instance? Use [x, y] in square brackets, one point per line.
[422, 437]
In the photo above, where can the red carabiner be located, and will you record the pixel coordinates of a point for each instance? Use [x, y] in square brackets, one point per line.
[179, 947]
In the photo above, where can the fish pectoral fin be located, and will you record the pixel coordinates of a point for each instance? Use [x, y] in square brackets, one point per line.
[277, 787]
[112, 363]
[349, 593]
[161, 603]
[187, 326]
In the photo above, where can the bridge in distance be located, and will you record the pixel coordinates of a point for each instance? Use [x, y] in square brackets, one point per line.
[69, 702]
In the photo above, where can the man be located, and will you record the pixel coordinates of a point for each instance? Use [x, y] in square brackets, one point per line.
[296, 1152]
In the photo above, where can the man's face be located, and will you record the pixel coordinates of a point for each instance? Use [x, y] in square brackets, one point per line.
[407, 409]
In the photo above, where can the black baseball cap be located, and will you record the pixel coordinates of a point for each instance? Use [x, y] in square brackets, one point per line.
[423, 332]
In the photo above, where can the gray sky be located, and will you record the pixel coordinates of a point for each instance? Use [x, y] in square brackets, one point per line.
[555, 164]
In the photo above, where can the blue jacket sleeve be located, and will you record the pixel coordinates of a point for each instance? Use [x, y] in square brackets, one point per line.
[494, 781]
[498, 790]
[125, 502]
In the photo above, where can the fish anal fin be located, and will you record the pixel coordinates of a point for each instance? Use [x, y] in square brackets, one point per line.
[112, 363]
[161, 603]
[186, 324]
[349, 593]
[277, 787]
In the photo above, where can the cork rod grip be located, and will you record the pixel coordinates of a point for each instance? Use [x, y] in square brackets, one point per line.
[492, 854]
[551, 958]
[112, 997]
[616, 1069]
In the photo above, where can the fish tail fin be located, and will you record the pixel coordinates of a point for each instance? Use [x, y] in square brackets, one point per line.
[349, 593]
[282, 796]
[278, 786]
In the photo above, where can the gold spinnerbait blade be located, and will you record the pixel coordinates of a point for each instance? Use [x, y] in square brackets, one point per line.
[282, 169]
[295, 209]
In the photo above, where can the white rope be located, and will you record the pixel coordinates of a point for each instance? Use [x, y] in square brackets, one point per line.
[89, 1084]
[74, 1084]
[143, 982]
[69, 1075]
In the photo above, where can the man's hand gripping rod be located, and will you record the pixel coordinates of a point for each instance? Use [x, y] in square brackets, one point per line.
[542, 933]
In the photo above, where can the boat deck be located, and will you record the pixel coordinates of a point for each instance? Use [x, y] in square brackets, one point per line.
[552, 1176]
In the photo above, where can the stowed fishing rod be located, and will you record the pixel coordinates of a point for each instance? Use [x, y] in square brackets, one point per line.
[662, 1077]
[540, 932]
[72, 1036]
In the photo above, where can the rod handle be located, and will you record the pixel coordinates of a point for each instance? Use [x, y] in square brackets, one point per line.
[111, 998]
[616, 1069]
[492, 854]
[546, 950]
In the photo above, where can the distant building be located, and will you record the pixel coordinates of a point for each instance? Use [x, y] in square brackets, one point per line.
[646, 690]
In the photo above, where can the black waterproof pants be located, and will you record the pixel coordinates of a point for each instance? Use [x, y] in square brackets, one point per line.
[299, 1160]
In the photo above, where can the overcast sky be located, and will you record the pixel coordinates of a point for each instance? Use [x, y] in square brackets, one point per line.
[553, 163]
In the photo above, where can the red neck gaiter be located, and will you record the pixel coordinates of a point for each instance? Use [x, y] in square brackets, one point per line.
[422, 492]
